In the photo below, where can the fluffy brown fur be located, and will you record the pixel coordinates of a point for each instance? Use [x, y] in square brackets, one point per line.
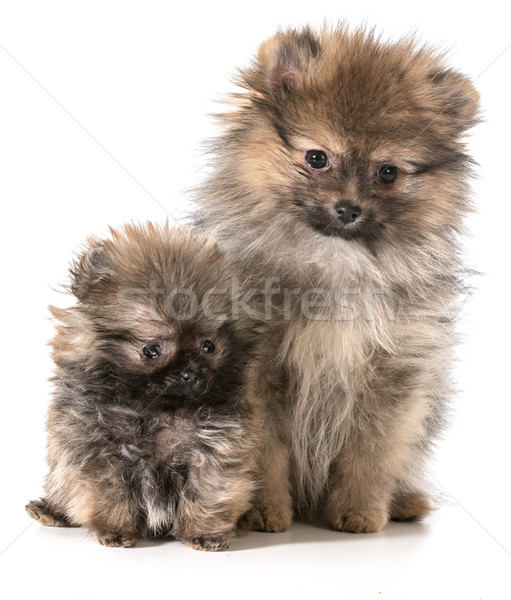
[150, 431]
[342, 172]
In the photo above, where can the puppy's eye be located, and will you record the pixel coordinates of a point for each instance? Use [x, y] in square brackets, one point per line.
[207, 346]
[151, 351]
[317, 159]
[387, 174]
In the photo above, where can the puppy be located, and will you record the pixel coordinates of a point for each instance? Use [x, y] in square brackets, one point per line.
[150, 431]
[342, 174]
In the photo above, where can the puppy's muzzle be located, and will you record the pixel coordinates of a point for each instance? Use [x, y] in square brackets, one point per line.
[347, 212]
[187, 383]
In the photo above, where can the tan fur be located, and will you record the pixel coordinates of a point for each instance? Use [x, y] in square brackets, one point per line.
[272, 508]
[357, 350]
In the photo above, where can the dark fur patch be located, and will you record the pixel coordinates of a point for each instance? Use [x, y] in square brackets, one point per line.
[135, 447]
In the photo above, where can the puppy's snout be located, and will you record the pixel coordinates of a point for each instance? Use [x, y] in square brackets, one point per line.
[189, 378]
[348, 212]
[188, 382]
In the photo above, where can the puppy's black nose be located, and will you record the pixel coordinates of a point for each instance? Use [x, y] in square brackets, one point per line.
[347, 211]
[190, 378]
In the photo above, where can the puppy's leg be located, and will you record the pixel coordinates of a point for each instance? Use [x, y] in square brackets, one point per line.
[360, 492]
[272, 507]
[99, 500]
[383, 433]
[212, 501]
[112, 518]
[41, 511]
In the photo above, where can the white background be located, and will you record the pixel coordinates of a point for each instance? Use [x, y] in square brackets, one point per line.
[103, 108]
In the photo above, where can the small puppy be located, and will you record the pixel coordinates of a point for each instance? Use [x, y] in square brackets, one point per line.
[150, 431]
[342, 174]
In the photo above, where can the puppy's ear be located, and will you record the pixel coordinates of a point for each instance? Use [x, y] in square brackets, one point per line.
[456, 99]
[282, 60]
[93, 270]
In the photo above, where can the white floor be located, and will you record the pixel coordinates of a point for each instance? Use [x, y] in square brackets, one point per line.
[448, 556]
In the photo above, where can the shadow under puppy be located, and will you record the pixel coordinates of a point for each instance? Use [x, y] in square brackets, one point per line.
[150, 431]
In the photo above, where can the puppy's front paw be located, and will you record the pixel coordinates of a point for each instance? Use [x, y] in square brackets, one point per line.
[266, 518]
[39, 510]
[212, 543]
[116, 540]
[360, 521]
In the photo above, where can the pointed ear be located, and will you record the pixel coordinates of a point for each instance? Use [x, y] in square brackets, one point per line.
[282, 60]
[456, 99]
[93, 269]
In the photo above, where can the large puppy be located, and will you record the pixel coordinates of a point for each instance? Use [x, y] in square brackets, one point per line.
[150, 431]
[342, 175]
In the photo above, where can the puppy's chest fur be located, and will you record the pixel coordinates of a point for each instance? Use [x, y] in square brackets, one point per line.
[330, 357]
[172, 438]
[333, 346]
[330, 361]
[157, 461]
